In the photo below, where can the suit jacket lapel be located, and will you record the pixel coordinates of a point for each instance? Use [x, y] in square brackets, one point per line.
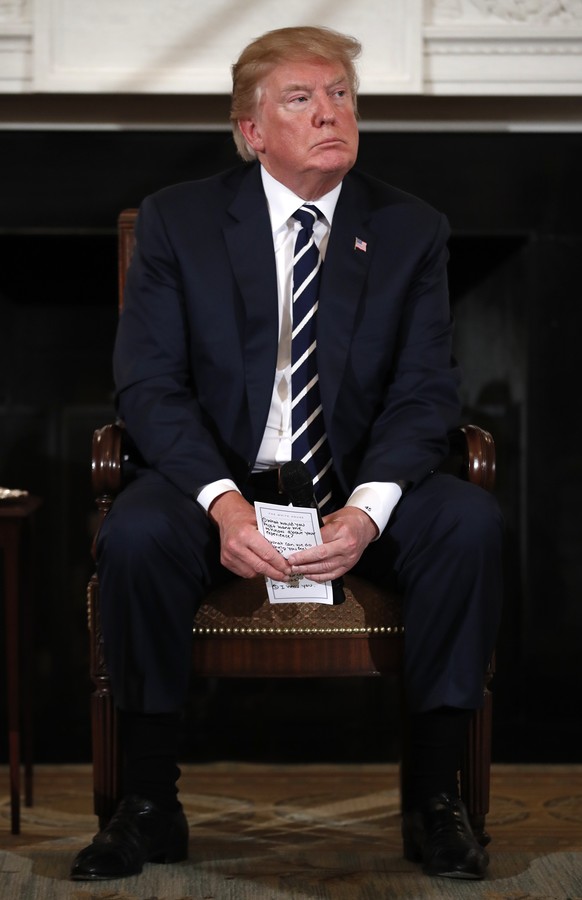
[344, 273]
[249, 242]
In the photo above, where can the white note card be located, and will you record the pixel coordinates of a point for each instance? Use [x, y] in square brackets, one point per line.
[289, 529]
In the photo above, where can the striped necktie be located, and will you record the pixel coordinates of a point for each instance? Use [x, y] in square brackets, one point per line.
[308, 437]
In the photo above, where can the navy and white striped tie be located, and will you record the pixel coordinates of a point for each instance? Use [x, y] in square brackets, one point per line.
[308, 437]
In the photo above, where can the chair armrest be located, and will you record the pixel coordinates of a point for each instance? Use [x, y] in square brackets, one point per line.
[471, 457]
[107, 460]
[475, 449]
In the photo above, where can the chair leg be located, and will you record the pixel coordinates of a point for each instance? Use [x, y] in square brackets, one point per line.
[106, 761]
[475, 774]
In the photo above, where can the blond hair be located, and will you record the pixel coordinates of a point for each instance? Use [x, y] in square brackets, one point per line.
[275, 47]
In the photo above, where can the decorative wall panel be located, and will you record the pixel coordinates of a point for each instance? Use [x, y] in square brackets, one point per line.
[183, 46]
[435, 47]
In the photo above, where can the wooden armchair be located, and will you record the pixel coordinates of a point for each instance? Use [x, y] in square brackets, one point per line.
[237, 632]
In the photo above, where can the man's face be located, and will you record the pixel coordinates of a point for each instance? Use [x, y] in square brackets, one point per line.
[304, 130]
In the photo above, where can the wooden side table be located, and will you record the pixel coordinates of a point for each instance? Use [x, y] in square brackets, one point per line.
[16, 545]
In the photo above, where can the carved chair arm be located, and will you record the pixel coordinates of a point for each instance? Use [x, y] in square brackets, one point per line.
[472, 457]
[475, 449]
[106, 460]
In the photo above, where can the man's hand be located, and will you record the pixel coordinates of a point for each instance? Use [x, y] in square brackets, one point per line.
[346, 534]
[243, 549]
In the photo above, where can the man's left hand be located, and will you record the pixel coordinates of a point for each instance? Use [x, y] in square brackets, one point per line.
[346, 534]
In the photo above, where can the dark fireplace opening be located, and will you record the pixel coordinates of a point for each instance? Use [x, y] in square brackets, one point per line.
[514, 284]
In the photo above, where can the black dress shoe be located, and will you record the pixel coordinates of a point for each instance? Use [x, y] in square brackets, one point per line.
[139, 832]
[441, 838]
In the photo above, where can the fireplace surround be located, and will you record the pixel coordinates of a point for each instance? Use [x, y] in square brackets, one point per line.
[513, 197]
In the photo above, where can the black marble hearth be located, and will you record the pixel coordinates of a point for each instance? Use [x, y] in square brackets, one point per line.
[514, 201]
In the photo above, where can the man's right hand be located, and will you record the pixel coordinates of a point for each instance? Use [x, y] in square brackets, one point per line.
[243, 549]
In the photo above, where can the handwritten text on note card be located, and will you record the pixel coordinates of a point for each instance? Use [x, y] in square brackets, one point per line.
[290, 529]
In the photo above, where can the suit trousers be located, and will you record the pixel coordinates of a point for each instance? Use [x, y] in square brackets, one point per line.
[158, 555]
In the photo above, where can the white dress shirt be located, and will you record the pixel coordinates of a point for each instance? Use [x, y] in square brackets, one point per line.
[377, 499]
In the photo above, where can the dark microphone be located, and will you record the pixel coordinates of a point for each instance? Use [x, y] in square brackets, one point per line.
[296, 482]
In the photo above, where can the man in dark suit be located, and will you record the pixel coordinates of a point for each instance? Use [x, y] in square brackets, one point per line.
[204, 375]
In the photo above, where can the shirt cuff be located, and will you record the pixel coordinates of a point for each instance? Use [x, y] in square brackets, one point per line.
[213, 490]
[378, 499]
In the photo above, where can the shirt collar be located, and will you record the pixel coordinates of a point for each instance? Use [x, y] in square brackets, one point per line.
[282, 202]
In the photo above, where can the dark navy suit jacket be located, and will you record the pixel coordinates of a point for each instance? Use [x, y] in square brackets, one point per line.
[196, 348]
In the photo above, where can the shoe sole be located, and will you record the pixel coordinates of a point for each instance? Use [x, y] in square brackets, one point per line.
[160, 860]
[102, 877]
[460, 876]
[413, 854]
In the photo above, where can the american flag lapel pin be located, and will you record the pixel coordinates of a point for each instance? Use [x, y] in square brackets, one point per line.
[359, 244]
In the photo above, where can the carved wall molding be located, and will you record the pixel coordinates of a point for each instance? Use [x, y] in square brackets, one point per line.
[546, 12]
[15, 45]
[510, 47]
[14, 10]
[486, 47]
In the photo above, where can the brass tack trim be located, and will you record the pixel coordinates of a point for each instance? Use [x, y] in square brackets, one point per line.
[244, 630]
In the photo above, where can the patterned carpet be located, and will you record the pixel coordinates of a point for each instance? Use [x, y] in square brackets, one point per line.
[300, 833]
